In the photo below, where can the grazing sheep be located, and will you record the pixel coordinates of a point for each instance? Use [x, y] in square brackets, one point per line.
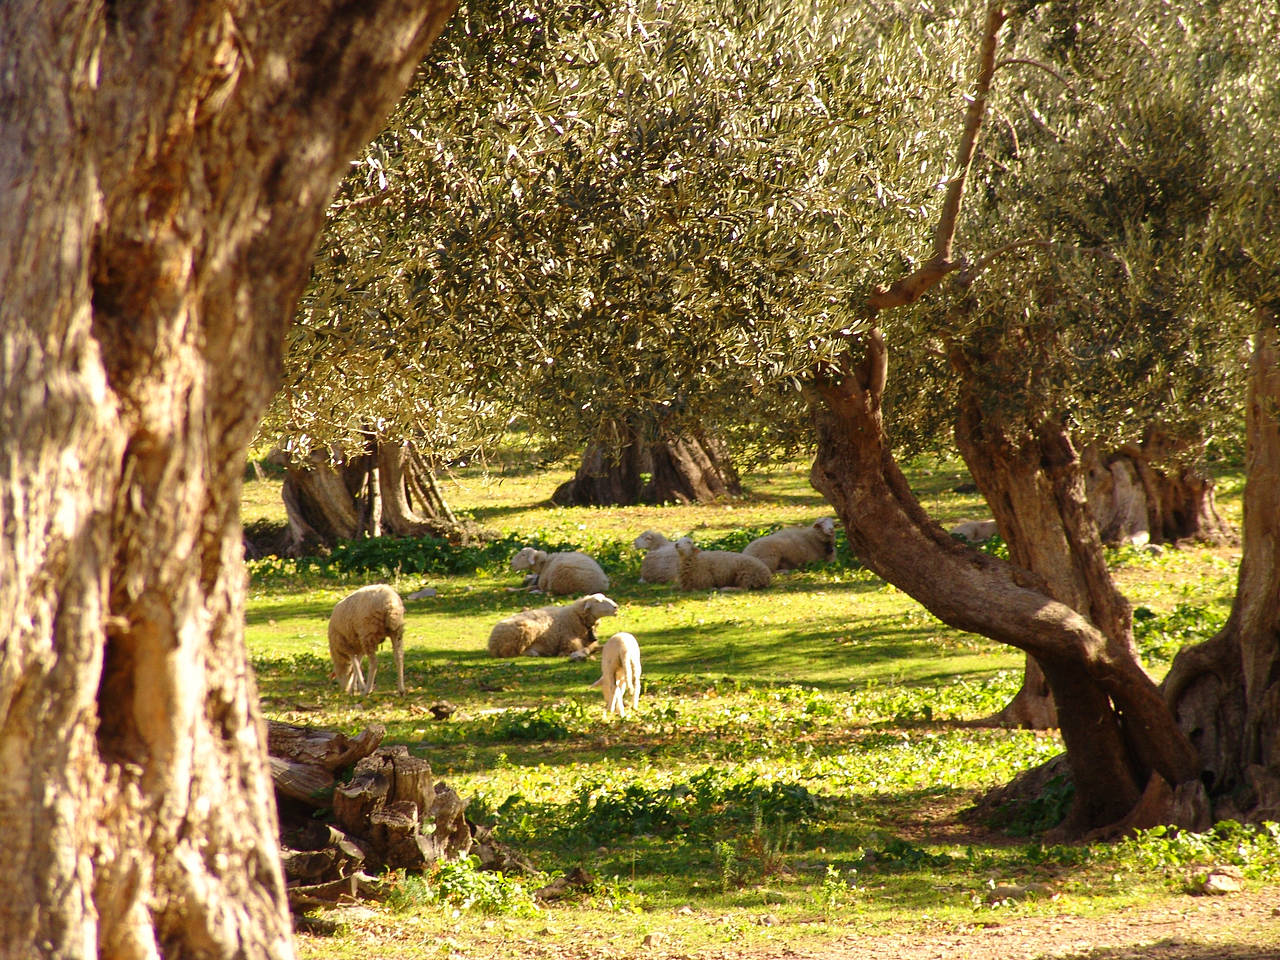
[660, 559]
[620, 673]
[718, 569]
[975, 531]
[358, 624]
[561, 572]
[552, 631]
[793, 547]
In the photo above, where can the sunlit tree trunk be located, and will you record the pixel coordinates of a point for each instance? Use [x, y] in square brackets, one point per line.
[164, 171]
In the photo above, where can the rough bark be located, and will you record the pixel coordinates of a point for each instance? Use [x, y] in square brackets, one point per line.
[165, 170]
[690, 468]
[1118, 731]
[1226, 692]
[1147, 493]
[389, 490]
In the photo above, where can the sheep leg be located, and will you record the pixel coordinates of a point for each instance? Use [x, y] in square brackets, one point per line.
[609, 685]
[373, 670]
[397, 648]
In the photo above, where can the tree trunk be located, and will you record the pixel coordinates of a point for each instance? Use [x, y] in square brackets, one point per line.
[1118, 730]
[1226, 691]
[690, 468]
[166, 168]
[390, 488]
[1146, 493]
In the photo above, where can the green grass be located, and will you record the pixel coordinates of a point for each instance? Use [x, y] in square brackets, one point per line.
[792, 771]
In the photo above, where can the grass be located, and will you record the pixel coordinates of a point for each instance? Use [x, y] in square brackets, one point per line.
[794, 768]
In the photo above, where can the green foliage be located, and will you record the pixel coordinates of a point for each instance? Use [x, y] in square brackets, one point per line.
[462, 884]
[708, 804]
[1160, 637]
[558, 721]
[1255, 848]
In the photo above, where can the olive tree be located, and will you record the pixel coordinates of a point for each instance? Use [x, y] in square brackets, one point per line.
[644, 237]
[164, 171]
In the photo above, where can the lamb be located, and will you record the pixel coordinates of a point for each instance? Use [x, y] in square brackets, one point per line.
[660, 559]
[719, 569]
[975, 531]
[620, 673]
[561, 573]
[358, 624]
[793, 547]
[552, 631]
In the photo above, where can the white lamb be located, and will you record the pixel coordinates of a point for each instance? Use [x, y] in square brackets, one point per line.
[660, 559]
[718, 569]
[794, 547]
[561, 573]
[975, 531]
[552, 631]
[358, 624]
[620, 673]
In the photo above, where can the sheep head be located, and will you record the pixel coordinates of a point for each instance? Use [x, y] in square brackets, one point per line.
[650, 540]
[686, 547]
[826, 526]
[597, 605]
[528, 559]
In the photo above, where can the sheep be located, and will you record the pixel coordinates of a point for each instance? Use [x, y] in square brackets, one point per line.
[358, 624]
[660, 559]
[561, 572]
[793, 547]
[702, 569]
[552, 631]
[620, 673]
[975, 531]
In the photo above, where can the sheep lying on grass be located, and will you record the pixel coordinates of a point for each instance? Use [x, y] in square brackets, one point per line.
[620, 673]
[794, 547]
[552, 631]
[718, 569]
[660, 560]
[975, 531]
[358, 624]
[561, 573]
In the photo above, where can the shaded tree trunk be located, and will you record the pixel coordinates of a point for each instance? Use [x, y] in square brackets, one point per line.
[1143, 493]
[158, 214]
[1226, 691]
[690, 468]
[389, 489]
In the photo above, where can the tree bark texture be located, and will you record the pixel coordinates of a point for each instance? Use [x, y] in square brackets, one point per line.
[164, 171]
[1226, 691]
[387, 490]
[1119, 731]
[689, 468]
[1144, 493]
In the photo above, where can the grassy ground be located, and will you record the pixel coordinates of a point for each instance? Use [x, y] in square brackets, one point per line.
[794, 769]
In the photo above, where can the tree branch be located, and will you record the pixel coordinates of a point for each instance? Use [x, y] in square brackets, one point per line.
[909, 289]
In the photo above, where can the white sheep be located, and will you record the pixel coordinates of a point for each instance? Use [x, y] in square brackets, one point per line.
[552, 631]
[620, 673]
[561, 573]
[975, 531]
[793, 547]
[660, 559]
[709, 569]
[358, 624]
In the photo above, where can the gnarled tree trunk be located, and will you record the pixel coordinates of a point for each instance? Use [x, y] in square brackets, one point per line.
[165, 169]
[1146, 493]
[389, 489]
[1226, 691]
[689, 468]
[1117, 729]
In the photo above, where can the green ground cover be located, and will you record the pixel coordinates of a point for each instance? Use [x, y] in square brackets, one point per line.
[795, 766]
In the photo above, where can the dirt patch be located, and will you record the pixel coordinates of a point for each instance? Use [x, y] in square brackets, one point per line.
[1241, 926]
